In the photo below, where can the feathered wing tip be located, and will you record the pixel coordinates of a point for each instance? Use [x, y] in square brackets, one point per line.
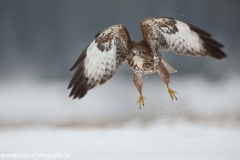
[79, 60]
[79, 81]
[79, 64]
[213, 47]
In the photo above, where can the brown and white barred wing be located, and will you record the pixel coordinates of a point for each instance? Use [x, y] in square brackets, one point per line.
[180, 38]
[100, 60]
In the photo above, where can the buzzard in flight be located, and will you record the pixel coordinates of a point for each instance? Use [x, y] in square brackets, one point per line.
[113, 46]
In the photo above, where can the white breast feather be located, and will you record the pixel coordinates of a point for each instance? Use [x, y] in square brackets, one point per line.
[138, 61]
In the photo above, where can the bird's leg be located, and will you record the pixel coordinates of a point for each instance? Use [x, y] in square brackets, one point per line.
[137, 80]
[166, 79]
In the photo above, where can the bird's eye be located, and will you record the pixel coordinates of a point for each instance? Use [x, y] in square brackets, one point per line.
[133, 53]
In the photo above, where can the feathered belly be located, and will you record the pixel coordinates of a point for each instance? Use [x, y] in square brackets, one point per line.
[142, 67]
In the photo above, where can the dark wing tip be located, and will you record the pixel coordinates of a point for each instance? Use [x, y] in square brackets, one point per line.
[72, 68]
[80, 60]
[79, 89]
[216, 52]
[78, 82]
[213, 47]
[198, 30]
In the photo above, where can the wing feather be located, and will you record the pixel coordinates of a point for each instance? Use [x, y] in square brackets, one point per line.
[100, 60]
[179, 37]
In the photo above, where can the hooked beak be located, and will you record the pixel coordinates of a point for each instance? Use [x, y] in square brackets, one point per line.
[134, 52]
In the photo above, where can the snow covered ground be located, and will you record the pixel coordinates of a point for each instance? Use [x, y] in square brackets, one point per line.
[38, 117]
[175, 142]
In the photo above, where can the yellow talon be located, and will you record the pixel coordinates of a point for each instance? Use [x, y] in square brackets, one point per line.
[172, 93]
[141, 101]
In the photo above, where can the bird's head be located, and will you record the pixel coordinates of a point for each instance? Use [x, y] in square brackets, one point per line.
[137, 52]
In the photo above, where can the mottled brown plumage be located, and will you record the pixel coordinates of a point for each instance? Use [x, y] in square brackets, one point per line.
[113, 46]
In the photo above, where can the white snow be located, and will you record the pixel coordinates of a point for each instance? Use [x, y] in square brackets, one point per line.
[204, 123]
[180, 141]
[34, 102]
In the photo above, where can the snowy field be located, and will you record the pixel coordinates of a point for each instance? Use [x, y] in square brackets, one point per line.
[179, 141]
[38, 117]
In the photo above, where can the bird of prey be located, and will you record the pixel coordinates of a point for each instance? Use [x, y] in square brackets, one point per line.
[113, 46]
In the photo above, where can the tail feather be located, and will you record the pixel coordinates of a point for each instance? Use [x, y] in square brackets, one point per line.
[169, 68]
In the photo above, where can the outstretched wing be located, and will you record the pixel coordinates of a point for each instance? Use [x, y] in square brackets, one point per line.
[179, 37]
[100, 60]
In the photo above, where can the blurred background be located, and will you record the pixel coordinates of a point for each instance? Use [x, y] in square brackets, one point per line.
[40, 41]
